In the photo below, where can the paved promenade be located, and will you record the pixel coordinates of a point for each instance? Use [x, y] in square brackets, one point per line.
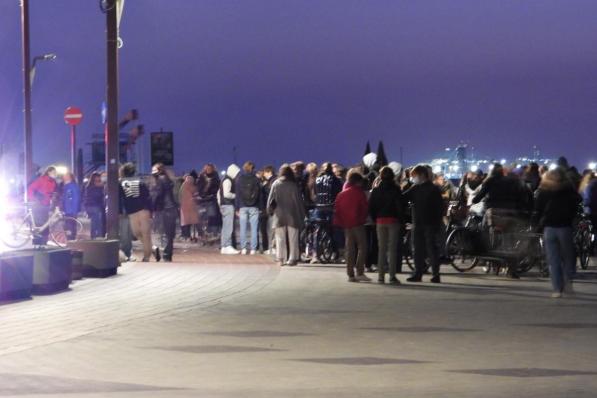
[215, 326]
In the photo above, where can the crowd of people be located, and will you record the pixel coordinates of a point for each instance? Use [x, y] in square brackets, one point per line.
[368, 205]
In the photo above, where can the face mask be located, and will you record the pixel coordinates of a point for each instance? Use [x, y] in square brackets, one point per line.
[103, 179]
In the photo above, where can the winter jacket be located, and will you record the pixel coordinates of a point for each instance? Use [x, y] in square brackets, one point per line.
[385, 202]
[428, 205]
[351, 208]
[42, 190]
[94, 197]
[162, 193]
[590, 198]
[327, 187]
[135, 195]
[208, 186]
[71, 199]
[556, 208]
[189, 214]
[502, 193]
[227, 191]
[285, 204]
[248, 191]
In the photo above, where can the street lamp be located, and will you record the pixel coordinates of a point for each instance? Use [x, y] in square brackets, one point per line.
[45, 57]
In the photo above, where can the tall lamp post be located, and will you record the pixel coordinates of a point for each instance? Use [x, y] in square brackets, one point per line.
[28, 150]
[110, 7]
[45, 57]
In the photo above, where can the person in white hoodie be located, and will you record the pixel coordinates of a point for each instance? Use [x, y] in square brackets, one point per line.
[226, 199]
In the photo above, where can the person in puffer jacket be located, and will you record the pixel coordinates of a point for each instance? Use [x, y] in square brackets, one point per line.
[226, 200]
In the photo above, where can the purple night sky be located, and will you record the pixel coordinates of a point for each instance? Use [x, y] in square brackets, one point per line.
[315, 79]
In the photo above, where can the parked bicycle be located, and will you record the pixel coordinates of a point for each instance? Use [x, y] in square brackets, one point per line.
[584, 239]
[317, 238]
[18, 229]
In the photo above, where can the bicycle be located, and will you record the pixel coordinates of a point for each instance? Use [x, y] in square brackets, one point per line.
[17, 230]
[584, 240]
[318, 233]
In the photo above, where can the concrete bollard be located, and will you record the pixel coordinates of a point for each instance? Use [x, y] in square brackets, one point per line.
[100, 257]
[16, 276]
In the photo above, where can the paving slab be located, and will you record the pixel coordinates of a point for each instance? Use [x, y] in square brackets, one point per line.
[239, 326]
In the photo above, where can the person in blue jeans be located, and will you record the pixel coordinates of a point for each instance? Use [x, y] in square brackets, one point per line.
[249, 204]
[95, 205]
[71, 204]
[556, 205]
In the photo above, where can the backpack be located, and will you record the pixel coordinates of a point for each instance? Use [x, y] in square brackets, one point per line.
[249, 190]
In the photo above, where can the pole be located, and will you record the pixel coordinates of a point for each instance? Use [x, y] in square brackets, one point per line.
[112, 155]
[28, 158]
[73, 149]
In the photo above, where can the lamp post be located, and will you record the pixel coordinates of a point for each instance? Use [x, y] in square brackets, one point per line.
[110, 7]
[28, 150]
[45, 57]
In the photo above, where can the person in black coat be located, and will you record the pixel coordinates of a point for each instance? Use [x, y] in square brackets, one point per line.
[385, 209]
[556, 206]
[427, 213]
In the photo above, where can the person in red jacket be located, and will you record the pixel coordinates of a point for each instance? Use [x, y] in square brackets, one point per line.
[40, 194]
[350, 213]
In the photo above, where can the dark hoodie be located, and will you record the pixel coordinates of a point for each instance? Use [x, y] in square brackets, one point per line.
[556, 203]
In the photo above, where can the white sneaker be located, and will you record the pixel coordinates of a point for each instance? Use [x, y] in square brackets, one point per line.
[243, 252]
[363, 278]
[229, 250]
[267, 253]
[253, 252]
[556, 295]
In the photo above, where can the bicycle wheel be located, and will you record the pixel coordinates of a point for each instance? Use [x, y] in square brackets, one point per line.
[15, 231]
[65, 229]
[584, 248]
[456, 250]
[326, 249]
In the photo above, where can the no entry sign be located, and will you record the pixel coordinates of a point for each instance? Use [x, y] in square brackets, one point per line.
[73, 115]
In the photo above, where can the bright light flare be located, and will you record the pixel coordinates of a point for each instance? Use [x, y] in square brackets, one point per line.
[593, 165]
[61, 170]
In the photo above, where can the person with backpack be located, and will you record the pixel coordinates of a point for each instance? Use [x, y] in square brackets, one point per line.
[248, 202]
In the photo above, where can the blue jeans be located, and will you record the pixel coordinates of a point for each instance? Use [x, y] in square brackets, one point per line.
[97, 216]
[559, 249]
[252, 213]
[227, 225]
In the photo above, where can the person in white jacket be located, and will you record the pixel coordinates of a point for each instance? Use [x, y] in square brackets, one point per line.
[226, 198]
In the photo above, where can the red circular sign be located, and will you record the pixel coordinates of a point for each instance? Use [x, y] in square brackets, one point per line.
[73, 115]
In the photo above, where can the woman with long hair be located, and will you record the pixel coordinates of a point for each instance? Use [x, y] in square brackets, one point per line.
[556, 206]
[285, 204]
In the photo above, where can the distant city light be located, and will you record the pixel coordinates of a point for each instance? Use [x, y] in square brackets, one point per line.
[474, 168]
[593, 165]
[553, 166]
[503, 161]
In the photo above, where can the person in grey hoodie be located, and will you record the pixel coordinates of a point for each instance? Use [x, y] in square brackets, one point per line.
[226, 200]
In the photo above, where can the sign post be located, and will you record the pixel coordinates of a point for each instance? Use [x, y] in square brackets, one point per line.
[72, 117]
